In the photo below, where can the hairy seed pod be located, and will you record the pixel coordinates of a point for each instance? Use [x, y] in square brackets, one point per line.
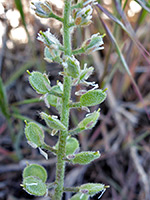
[52, 99]
[36, 171]
[34, 186]
[34, 134]
[85, 157]
[90, 120]
[72, 145]
[93, 97]
[53, 122]
[42, 9]
[80, 196]
[39, 82]
[92, 188]
[72, 66]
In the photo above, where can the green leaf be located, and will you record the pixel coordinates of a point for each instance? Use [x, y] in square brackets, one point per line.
[93, 97]
[85, 157]
[39, 82]
[19, 6]
[34, 186]
[80, 196]
[34, 134]
[53, 122]
[90, 120]
[72, 66]
[3, 100]
[35, 170]
[52, 99]
[92, 188]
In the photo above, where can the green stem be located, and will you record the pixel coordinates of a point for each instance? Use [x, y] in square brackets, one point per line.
[27, 101]
[49, 148]
[60, 167]
[71, 189]
[23, 118]
[56, 17]
[78, 51]
[75, 131]
[75, 105]
[79, 5]
[55, 93]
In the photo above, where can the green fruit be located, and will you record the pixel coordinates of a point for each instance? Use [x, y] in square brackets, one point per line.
[71, 146]
[80, 196]
[92, 188]
[34, 134]
[34, 186]
[52, 99]
[90, 120]
[36, 171]
[39, 82]
[93, 97]
[53, 122]
[85, 157]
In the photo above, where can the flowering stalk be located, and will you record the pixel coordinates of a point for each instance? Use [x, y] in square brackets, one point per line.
[67, 147]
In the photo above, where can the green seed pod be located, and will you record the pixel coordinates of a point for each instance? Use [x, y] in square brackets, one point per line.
[34, 186]
[83, 16]
[39, 82]
[34, 134]
[93, 44]
[53, 122]
[92, 188]
[42, 9]
[80, 196]
[35, 170]
[72, 66]
[85, 73]
[52, 55]
[52, 99]
[90, 120]
[71, 146]
[85, 157]
[93, 97]
[49, 39]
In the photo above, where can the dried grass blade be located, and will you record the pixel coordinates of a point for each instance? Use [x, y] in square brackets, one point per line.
[113, 40]
[128, 29]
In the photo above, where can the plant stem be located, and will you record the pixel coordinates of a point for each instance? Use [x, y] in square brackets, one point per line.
[49, 148]
[78, 51]
[71, 189]
[60, 167]
[75, 105]
[56, 17]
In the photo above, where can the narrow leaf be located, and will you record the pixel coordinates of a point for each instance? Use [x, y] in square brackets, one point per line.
[128, 29]
[19, 6]
[3, 100]
[113, 40]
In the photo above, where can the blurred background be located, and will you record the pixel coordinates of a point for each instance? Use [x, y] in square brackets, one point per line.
[122, 134]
